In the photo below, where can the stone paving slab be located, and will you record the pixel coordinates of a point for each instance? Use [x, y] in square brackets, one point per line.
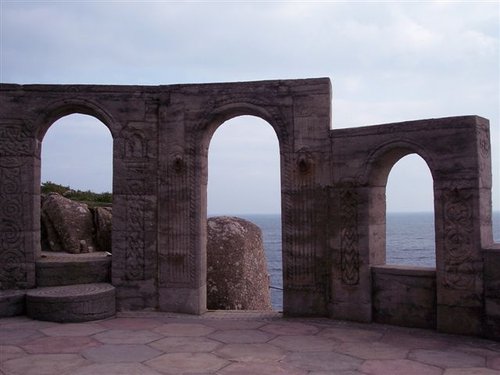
[120, 353]
[60, 344]
[243, 343]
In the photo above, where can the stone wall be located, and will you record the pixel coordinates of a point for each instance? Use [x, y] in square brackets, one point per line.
[492, 292]
[332, 190]
[404, 296]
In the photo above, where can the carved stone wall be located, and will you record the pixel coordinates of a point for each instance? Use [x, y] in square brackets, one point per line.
[333, 194]
[18, 230]
[456, 151]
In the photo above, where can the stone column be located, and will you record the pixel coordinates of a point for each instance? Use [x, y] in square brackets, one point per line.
[181, 285]
[134, 216]
[305, 177]
[19, 205]
[463, 228]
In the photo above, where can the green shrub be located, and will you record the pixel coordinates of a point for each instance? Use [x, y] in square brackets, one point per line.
[77, 195]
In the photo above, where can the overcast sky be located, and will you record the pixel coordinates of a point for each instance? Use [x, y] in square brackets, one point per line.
[388, 61]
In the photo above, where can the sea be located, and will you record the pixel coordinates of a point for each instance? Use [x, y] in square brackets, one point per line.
[409, 241]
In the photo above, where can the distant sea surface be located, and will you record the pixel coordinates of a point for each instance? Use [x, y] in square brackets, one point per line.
[410, 241]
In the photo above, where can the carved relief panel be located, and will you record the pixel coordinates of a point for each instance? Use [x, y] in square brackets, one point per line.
[458, 239]
[135, 185]
[349, 238]
[16, 147]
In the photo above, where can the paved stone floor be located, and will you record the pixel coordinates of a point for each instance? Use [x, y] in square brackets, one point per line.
[235, 343]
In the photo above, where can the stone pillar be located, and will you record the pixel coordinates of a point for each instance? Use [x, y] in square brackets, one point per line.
[19, 205]
[458, 260]
[351, 281]
[134, 216]
[305, 177]
[181, 285]
[463, 228]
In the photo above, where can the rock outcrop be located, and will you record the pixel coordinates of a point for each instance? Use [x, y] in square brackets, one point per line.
[73, 227]
[237, 277]
[68, 225]
[102, 225]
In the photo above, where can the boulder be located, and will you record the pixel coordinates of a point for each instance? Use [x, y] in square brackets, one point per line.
[66, 225]
[103, 217]
[237, 277]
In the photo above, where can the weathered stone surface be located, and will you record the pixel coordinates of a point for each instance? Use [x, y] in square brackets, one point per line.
[184, 329]
[74, 227]
[115, 369]
[44, 364]
[12, 302]
[304, 343]
[73, 329]
[58, 345]
[120, 353]
[71, 303]
[241, 336]
[185, 344]
[115, 336]
[323, 361]
[237, 277]
[187, 363]
[447, 358]
[57, 269]
[333, 196]
[103, 217]
[66, 225]
[251, 352]
[404, 296]
[290, 328]
[399, 366]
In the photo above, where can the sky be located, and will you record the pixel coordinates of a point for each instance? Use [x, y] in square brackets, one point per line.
[388, 61]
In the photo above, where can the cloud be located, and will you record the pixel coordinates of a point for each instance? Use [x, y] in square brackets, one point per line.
[389, 61]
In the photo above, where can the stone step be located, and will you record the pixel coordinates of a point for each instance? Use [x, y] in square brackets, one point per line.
[56, 269]
[12, 302]
[71, 303]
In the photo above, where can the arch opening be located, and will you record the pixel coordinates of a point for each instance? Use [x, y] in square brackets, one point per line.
[244, 181]
[76, 162]
[410, 233]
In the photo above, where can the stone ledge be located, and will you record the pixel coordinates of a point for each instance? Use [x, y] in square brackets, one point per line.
[56, 269]
[12, 302]
[404, 270]
[71, 303]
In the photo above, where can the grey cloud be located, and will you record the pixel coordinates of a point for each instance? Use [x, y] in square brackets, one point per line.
[389, 61]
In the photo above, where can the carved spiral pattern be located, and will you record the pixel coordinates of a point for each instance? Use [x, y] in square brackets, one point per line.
[15, 140]
[11, 179]
[10, 207]
[13, 265]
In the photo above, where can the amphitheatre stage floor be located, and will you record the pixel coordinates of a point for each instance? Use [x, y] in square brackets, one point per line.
[149, 343]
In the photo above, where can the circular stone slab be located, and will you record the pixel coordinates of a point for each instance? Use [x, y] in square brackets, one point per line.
[71, 303]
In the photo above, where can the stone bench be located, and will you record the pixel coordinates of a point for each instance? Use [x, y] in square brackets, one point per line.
[71, 303]
[56, 269]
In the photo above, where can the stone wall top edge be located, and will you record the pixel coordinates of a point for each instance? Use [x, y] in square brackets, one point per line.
[401, 270]
[443, 123]
[161, 88]
[90, 88]
[493, 248]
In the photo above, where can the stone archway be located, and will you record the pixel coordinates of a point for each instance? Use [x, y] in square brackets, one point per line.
[329, 201]
[400, 295]
[288, 110]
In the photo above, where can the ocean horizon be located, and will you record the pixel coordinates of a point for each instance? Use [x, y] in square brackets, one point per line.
[409, 241]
